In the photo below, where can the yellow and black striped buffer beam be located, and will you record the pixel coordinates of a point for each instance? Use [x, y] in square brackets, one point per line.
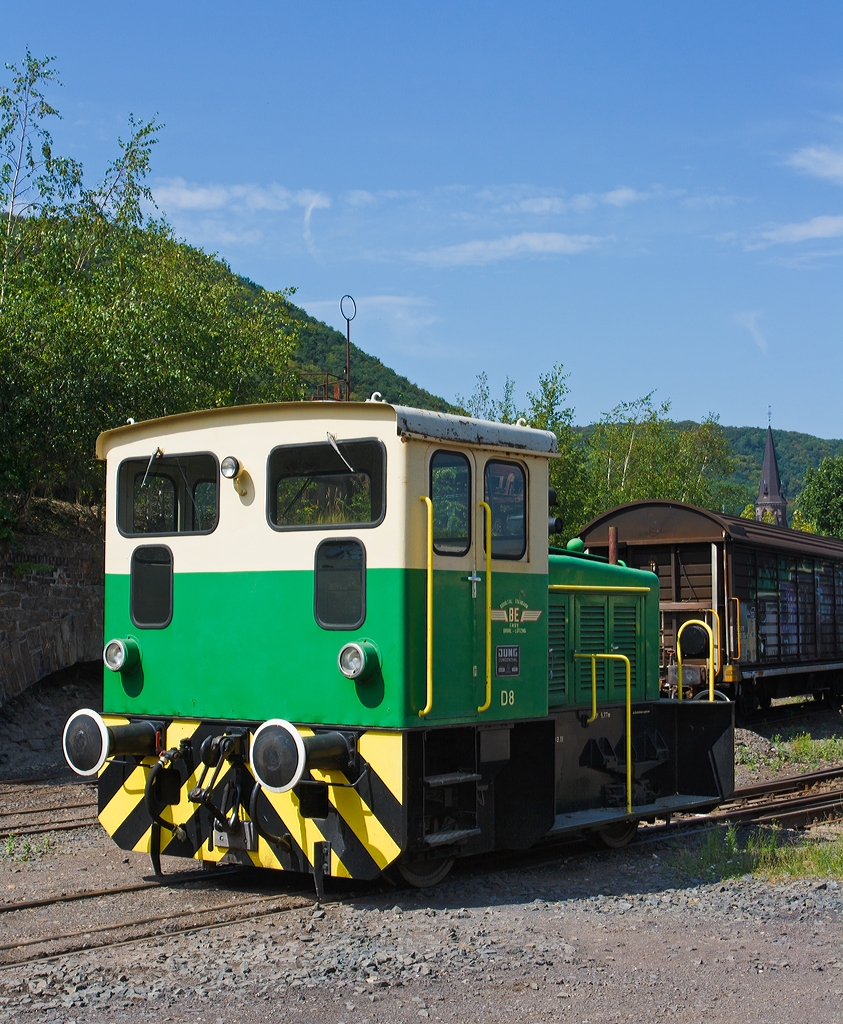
[364, 827]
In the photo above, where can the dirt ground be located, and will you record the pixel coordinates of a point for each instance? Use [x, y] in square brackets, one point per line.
[567, 935]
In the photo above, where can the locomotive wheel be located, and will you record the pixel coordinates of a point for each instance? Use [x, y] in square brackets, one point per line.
[704, 695]
[423, 873]
[613, 837]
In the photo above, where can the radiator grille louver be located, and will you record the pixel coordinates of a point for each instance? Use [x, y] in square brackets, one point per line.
[556, 669]
[624, 637]
[592, 639]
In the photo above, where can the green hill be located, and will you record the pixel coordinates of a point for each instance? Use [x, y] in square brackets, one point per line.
[322, 348]
[794, 453]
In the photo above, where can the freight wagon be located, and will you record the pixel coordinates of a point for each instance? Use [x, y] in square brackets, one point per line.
[773, 598]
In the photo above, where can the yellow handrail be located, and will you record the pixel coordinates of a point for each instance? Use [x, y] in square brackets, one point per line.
[488, 510]
[737, 601]
[719, 656]
[429, 676]
[593, 657]
[617, 590]
[710, 631]
[625, 660]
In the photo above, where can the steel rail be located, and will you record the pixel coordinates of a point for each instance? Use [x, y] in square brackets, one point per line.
[44, 810]
[789, 782]
[134, 922]
[48, 781]
[43, 830]
[157, 932]
[177, 878]
[771, 808]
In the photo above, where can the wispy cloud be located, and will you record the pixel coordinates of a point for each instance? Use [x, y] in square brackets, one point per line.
[551, 203]
[624, 196]
[361, 197]
[748, 319]
[817, 227]
[178, 194]
[544, 205]
[528, 243]
[819, 162]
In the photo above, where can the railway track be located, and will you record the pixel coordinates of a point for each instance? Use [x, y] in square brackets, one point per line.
[139, 929]
[130, 929]
[59, 806]
[791, 801]
[794, 801]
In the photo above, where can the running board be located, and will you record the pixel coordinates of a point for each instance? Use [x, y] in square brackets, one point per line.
[599, 816]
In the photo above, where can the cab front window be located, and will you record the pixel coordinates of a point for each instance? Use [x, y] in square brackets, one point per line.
[168, 494]
[506, 493]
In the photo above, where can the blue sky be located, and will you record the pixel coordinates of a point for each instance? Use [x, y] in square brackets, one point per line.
[651, 194]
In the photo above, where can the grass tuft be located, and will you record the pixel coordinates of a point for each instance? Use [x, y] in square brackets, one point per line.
[763, 851]
[17, 849]
[797, 751]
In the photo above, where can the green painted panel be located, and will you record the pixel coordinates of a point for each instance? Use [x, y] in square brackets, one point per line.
[606, 614]
[520, 602]
[247, 646]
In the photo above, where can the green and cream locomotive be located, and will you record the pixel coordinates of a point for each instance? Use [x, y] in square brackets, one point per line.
[337, 641]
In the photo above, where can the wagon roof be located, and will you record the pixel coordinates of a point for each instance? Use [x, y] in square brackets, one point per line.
[410, 423]
[674, 522]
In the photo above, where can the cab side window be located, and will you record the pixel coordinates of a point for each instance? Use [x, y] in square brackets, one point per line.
[450, 492]
[505, 487]
[340, 584]
[151, 587]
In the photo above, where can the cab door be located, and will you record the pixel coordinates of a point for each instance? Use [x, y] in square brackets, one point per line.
[458, 594]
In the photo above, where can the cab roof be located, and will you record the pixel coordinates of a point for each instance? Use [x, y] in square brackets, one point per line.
[410, 423]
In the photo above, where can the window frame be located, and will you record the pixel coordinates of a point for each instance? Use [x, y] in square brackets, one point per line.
[470, 510]
[272, 490]
[522, 556]
[135, 623]
[363, 594]
[123, 495]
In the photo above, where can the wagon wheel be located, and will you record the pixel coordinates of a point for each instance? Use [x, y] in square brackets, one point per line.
[422, 873]
[704, 695]
[613, 837]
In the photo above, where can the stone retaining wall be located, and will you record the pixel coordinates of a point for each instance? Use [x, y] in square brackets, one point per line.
[51, 598]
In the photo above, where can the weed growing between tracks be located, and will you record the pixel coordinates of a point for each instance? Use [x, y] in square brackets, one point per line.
[767, 851]
[793, 750]
[17, 849]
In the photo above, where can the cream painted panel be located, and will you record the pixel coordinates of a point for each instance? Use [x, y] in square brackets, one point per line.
[418, 482]
[243, 540]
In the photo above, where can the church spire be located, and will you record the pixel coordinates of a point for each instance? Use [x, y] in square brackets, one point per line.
[770, 497]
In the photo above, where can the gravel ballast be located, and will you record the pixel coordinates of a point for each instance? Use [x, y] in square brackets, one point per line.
[568, 936]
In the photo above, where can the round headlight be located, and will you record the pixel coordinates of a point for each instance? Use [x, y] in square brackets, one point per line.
[359, 659]
[121, 655]
[114, 655]
[229, 467]
[352, 660]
